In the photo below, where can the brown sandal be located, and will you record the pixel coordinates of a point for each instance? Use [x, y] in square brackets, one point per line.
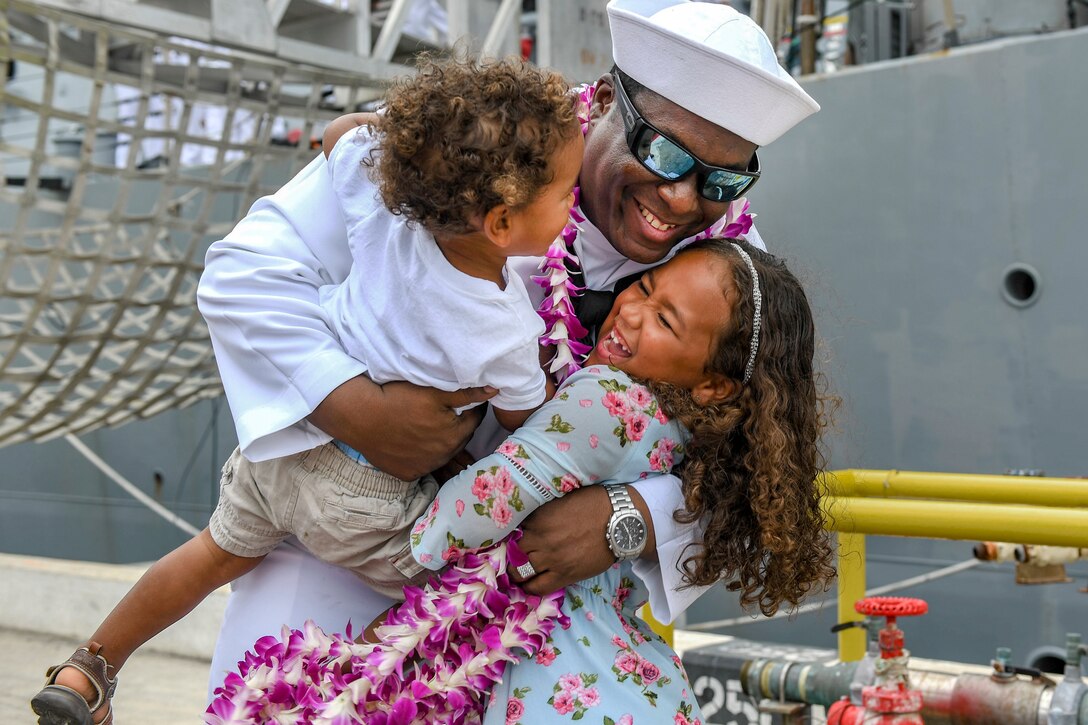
[60, 705]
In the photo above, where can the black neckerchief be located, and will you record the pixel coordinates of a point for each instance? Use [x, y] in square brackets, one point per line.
[591, 307]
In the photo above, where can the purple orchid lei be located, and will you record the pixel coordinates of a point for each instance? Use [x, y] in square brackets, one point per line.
[438, 656]
[562, 328]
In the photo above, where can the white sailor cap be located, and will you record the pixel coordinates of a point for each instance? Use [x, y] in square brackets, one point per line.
[711, 60]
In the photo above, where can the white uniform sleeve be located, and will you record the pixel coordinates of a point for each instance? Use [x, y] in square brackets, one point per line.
[664, 578]
[259, 295]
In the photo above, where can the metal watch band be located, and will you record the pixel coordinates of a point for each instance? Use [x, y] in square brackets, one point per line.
[619, 498]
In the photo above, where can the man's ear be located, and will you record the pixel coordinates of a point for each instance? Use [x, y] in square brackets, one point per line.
[603, 97]
[497, 225]
[715, 388]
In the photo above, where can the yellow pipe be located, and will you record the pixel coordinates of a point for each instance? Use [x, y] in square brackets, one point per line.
[1048, 511]
[851, 588]
[957, 520]
[1069, 492]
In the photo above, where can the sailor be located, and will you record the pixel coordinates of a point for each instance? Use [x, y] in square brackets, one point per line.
[671, 139]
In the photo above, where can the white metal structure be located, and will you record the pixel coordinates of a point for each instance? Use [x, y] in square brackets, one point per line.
[100, 250]
[133, 133]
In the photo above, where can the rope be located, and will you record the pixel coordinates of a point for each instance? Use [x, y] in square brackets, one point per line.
[814, 606]
[130, 487]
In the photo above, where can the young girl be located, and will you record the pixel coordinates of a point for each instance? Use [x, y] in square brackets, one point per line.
[706, 364]
[469, 164]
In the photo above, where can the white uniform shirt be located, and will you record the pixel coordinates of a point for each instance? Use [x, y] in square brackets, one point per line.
[279, 359]
[408, 314]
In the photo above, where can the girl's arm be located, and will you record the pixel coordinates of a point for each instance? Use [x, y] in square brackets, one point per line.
[591, 432]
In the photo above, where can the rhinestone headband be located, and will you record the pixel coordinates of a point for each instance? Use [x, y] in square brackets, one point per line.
[757, 300]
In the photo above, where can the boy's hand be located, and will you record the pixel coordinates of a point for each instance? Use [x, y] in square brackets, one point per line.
[338, 127]
[405, 430]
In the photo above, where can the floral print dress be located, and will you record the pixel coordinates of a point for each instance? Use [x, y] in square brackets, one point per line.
[608, 666]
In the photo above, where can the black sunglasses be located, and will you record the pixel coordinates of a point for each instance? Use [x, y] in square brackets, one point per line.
[670, 161]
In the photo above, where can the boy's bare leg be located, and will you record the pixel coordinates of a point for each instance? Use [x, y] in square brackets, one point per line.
[166, 592]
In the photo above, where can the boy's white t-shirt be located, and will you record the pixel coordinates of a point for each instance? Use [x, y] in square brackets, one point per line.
[408, 314]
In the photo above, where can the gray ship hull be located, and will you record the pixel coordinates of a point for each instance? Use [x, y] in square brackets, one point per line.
[904, 203]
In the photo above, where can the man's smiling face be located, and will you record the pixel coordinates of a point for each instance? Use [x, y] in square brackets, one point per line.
[642, 215]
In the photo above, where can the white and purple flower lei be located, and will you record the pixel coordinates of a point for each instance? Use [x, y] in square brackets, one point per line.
[562, 328]
[438, 656]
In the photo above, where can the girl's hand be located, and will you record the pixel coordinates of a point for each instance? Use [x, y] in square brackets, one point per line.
[405, 430]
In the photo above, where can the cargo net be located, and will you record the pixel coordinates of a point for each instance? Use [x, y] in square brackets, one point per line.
[124, 155]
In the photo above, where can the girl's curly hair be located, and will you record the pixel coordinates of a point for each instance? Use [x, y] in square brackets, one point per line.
[462, 136]
[750, 469]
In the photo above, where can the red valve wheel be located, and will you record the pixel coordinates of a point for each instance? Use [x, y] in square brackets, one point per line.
[891, 606]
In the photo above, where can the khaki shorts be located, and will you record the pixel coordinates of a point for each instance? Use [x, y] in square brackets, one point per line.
[347, 513]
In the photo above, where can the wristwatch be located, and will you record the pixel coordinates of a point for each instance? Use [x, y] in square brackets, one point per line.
[626, 531]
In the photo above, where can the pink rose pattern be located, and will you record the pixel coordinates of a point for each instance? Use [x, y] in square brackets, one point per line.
[634, 406]
[513, 450]
[662, 456]
[573, 694]
[497, 495]
[683, 716]
[423, 523]
[566, 483]
[628, 664]
[547, 654]
[515, 706]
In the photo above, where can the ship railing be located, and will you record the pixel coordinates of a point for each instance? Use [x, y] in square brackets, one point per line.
[956, 506]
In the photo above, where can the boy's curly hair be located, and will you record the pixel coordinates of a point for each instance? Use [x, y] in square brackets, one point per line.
[750, 469]
[463, 136]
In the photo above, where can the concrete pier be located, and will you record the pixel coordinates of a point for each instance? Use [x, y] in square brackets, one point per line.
[48, 607]
[154, 689]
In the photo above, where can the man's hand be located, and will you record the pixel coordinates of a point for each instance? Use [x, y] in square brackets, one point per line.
[565, 539]
[403, 429]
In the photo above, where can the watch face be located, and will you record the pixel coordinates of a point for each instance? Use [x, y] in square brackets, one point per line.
[629, 533]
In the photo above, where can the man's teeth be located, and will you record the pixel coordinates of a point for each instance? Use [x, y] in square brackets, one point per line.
[618, 343]
[654, 221]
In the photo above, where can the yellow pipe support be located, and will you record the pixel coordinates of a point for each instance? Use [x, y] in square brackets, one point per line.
[958, 520]
[851, 588]
[665, 631]
[1067, 492]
